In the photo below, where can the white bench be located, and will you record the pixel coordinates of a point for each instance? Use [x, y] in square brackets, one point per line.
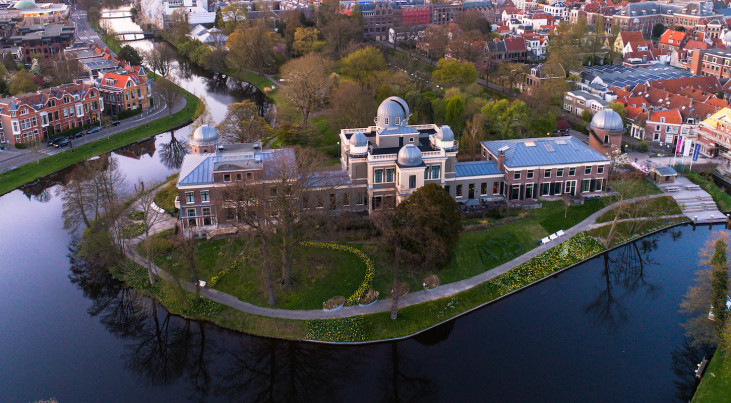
[553, 236]
[560, 232]
[673, 189]
[545, 240]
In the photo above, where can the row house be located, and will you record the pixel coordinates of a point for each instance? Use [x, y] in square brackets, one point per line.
[663, 126]
[645, 15]
[42, 42]
[558, 10]
[445, 13]
[672, 40]
[123, 92]
[711, 62]
[714, 134]
[576, 102]
[624, 38]
[541, 73]
[379, 17]
[34, 116]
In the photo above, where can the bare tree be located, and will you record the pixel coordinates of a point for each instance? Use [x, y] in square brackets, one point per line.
[161, 59]
[307, 83]
[168, 90]
[172, 152]
[243, 124]
[151, 216]
[252, 48]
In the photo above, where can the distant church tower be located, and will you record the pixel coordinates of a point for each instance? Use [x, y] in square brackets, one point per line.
[204, 140]
[605, 131]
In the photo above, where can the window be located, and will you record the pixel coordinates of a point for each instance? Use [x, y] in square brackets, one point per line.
[389, 174]
[516, 175]
[191, 212]
[495, 188]
[483, 189]
[570, 187]
[378, 176]
[547, 173]
[587, 170]
[35, 122]
[333, 203]
[412, 181]
[346, 199]
[559, 172]
[227, 177]
[386, 121]
[238, 177]
[360, 200]
[606, 139]
[248, 175]
[204, 196]
[189, 197]
[319, 202]
[585, 185]
[529, 174]
[206, 211]
[459, 190]
[398, 121]
[556, 188]
[545, 189]
[600, 169]
[435, 171]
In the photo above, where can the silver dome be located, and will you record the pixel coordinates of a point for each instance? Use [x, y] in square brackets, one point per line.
[409, 156]
[204, 134]
[391, 109]
[358, 139]
[446, 134]
[607, 119]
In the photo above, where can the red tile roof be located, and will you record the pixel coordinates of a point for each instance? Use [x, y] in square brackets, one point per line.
[676, 36]
[671, 116]
[631, 36]
[693, 44]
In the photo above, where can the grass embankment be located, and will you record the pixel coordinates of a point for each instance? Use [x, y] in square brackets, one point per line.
[722, 199]
[716, 383]
[318, 273]
[646, 208]
[165, 198]
[14, 178]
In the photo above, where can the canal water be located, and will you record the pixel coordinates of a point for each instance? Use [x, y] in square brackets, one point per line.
[606, 330]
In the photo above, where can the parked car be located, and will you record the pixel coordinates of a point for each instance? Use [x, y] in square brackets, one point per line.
[63, 143]
[78, 135]
[93, 130]
[115, 122]
[53, 142]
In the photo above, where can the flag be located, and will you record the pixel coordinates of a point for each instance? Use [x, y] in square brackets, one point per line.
[687, 148]
[679, 146]
[696, 151]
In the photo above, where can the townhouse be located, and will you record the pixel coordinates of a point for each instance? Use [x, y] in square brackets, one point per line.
[122, 92]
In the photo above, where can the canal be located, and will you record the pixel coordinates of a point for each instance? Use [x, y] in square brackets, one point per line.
[606, 330]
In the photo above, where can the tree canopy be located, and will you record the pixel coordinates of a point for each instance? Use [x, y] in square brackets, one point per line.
[450, 73]
[363, 64]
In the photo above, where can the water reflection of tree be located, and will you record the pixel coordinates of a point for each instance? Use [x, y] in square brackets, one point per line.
[686, 358]
[266, 370]
[624, 267]
[404, 381]
[172, 152]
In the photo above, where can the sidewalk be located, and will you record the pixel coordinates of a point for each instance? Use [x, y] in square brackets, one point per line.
[412, 298]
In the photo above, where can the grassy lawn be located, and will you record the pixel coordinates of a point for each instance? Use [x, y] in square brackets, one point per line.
[12, 179]
[647, 208]
[626, 231]
[716, 383]
[722, 199]
[319, 274]
[165, 198]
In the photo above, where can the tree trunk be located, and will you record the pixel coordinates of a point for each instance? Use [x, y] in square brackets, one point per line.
[396, 284]
[267, 269]
[149, 258]
[286, 256]
[610, 234]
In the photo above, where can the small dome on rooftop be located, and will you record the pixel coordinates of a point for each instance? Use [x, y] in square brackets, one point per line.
[445, 134]
[25, 5]
[607, 119]
[392, 112]
[409, 156]
[204, 134]
[358, 139]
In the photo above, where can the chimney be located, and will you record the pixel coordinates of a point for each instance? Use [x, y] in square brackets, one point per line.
[695, 63]
[501, 160]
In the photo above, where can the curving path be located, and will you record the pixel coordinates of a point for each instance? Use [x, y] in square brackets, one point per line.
[384, 305]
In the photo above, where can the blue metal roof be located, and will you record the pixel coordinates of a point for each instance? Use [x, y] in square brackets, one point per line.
[544, 151]
[477, 168]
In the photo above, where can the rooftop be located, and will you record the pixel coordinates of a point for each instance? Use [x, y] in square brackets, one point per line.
[544, 151]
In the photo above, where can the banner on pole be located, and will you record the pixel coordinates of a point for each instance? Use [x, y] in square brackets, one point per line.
[679, 146]
[696, 151]
[687, 148]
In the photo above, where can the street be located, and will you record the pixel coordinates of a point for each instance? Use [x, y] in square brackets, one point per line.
[83, 29]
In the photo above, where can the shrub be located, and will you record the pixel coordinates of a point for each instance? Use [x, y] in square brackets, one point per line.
[643, 146]
[133, 230]
[160, 246]
[137, 215]
[21, 146]
[129, 112]
[165, 198]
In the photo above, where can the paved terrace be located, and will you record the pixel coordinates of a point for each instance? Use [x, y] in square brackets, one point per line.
[412, 298]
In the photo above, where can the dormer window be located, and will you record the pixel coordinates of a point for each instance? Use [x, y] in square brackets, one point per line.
[662, 120]
[398, 121]
[385, 121]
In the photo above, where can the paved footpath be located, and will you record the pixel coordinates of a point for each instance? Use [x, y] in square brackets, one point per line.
[412, 298]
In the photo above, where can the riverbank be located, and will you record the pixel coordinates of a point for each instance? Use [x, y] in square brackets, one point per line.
[716, 383]
[27, 173]
[419, 311]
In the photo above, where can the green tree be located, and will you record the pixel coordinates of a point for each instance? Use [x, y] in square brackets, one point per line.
[658, 30]
[434, 222]
[450, 73]
[505, 118]
[619, 108]
[356, 15]
[586, 115]
[363, 64]
[21, 83]
[131, 55]
[453, 110]
[306, 40]
[233, 16]
[719, 285]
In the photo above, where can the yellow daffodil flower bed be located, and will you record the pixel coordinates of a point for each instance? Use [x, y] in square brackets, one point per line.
[415, 318]
[370, 267]
[236, 263]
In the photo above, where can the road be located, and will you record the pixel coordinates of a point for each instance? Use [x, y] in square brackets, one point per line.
[83, 29]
